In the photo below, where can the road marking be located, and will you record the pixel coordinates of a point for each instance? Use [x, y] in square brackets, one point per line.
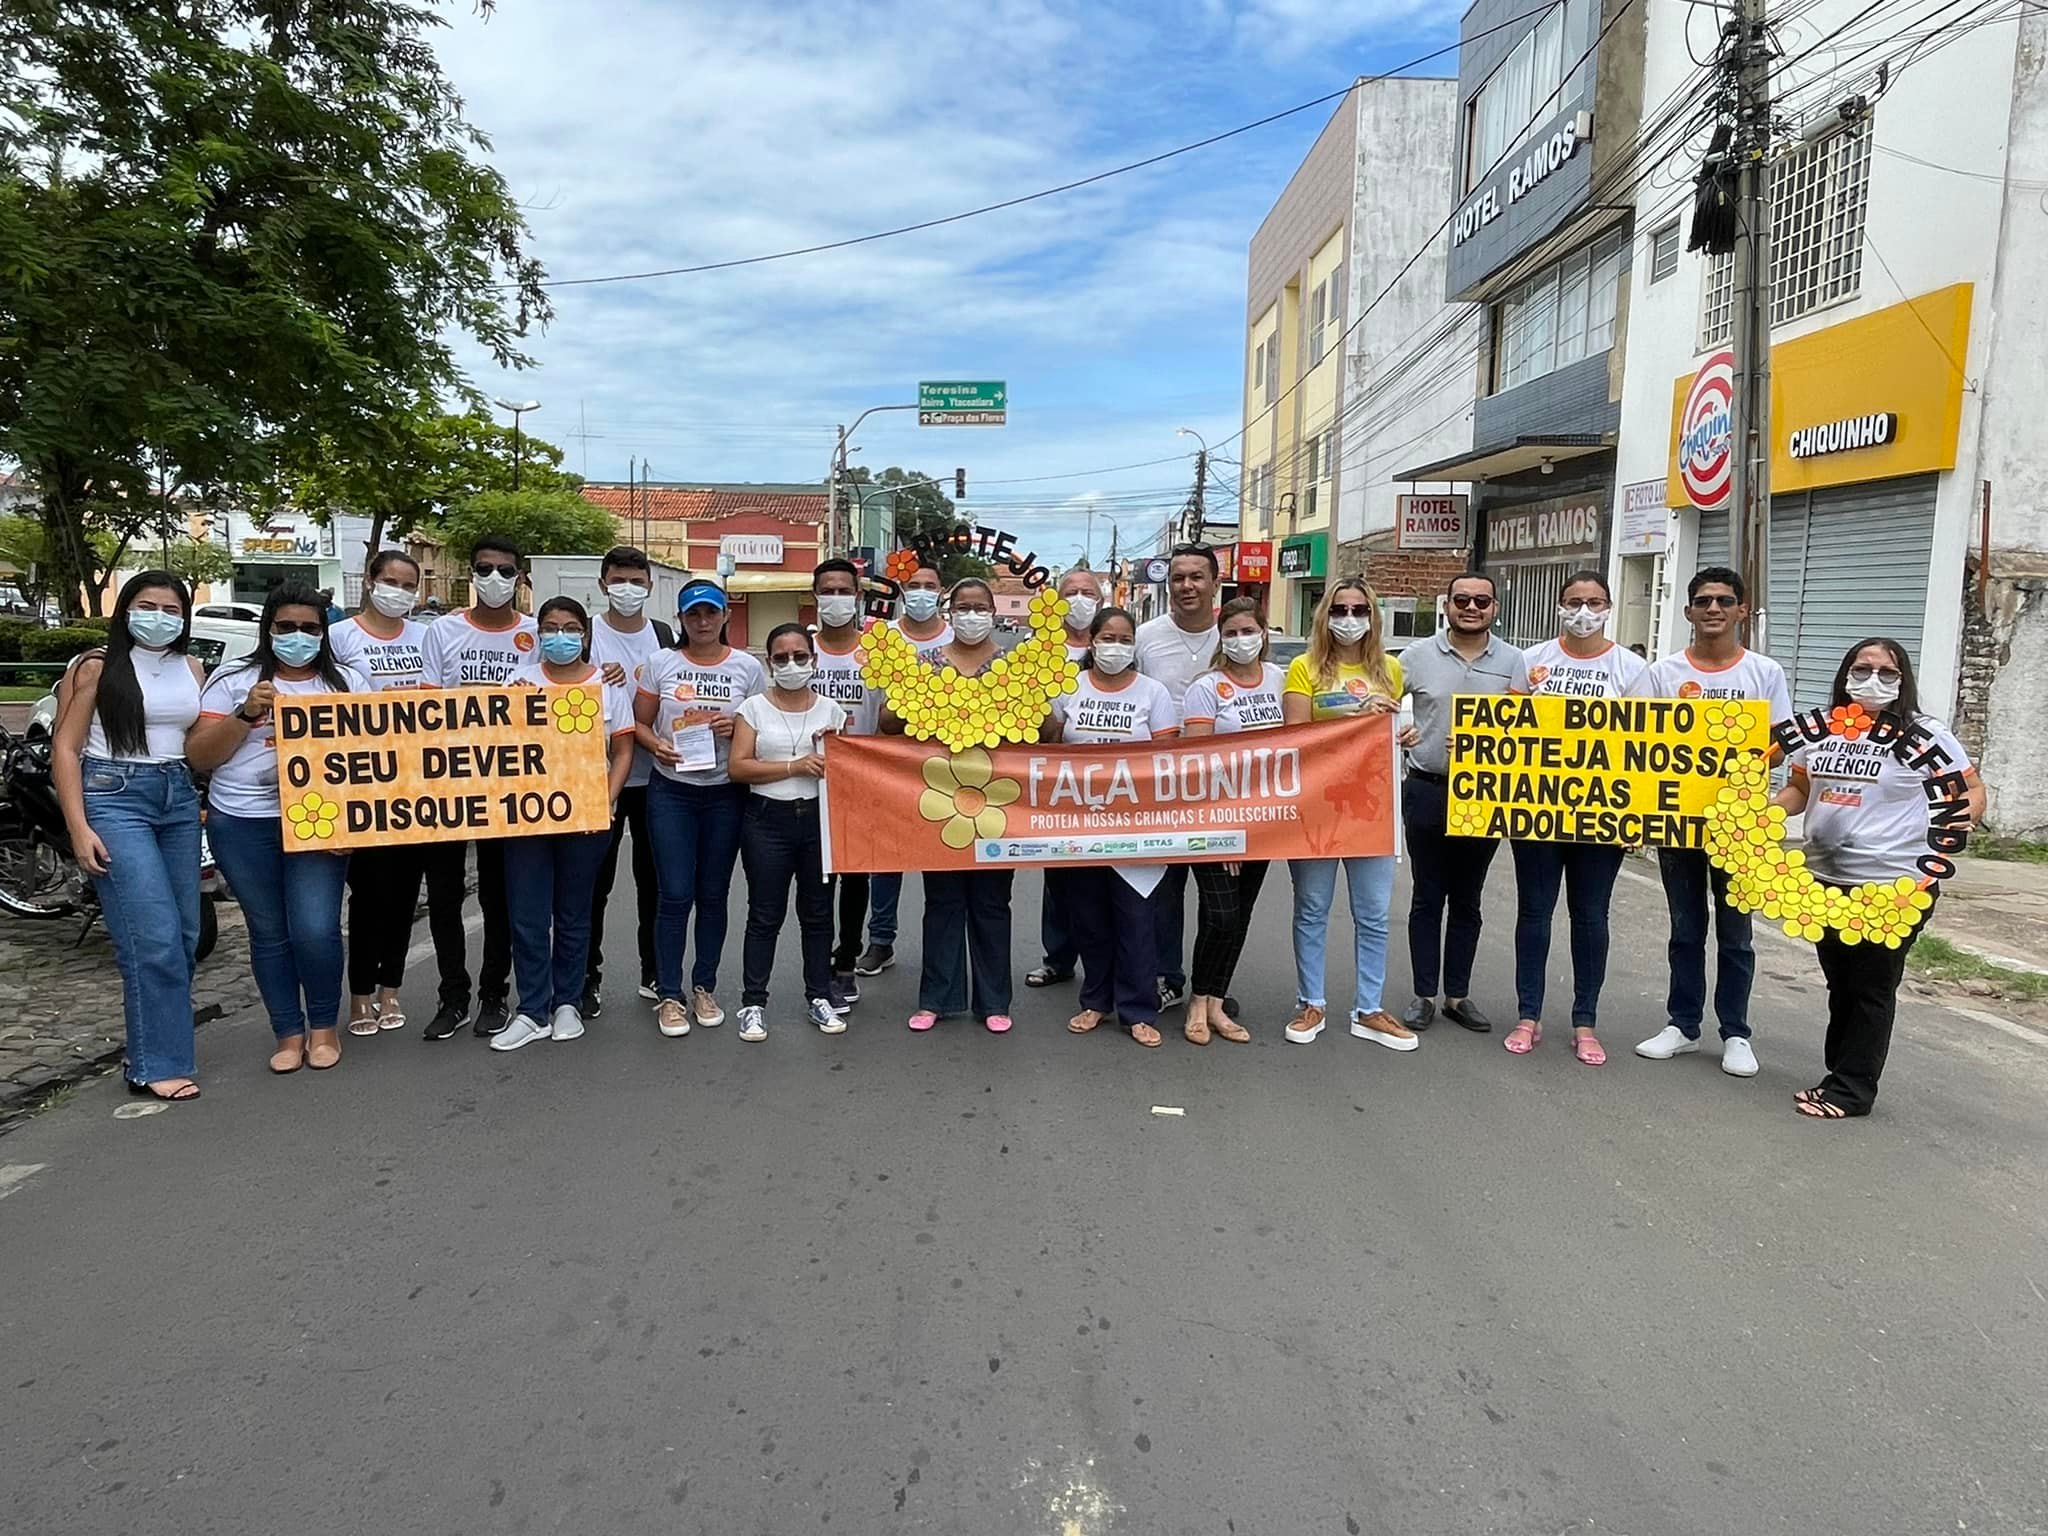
[14, 1175]
[425, 947]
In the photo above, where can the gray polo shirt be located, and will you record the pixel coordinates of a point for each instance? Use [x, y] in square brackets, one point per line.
[1432, 672]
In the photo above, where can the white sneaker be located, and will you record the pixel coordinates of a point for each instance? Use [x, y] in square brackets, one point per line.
[1737, 1059]
[1668, 1042]
[821, 1014]
[706, 1009]
[521, 1031]
[753, 1024]
[647, 991]
[568, 1023]
[672, 1018]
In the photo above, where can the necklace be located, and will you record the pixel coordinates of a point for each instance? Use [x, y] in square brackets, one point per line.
[794, 724]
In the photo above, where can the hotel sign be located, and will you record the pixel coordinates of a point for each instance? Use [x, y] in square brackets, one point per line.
[1526, 172]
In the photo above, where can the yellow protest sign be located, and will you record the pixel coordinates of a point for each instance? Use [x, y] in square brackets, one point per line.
[1553, 768]
[364, 770]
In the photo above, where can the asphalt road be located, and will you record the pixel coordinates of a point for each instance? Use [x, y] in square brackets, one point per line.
[959, 1283]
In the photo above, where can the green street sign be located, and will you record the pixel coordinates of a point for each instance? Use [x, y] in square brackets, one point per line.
[962, 403]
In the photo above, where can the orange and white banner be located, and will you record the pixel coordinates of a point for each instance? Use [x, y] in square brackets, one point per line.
[1299, 792]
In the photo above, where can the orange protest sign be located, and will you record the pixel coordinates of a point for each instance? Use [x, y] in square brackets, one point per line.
[1299, 792]
[364, 770]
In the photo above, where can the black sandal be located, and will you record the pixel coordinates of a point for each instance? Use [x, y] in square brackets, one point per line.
[1817, 1106]
[144, 1090]
[1046, 976]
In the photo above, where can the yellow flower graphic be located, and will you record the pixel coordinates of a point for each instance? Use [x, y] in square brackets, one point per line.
[576, 713]
[963, 794]
[314, 816]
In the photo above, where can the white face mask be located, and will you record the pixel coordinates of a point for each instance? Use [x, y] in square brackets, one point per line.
[838, 610]
[1114, 656]
[1350, 628]
[1081, 611]
[973, 625]
[792, 674]
[920, 603]
[1582, 620]
[1243, 649]
[495, 590]
[626, 597]
[1873, 690]
[392, 602]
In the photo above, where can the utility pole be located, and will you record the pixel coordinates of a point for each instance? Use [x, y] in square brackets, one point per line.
[1201, 481]
[1748, 60]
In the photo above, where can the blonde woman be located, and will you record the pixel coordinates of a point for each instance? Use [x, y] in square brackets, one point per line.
[1345, 671]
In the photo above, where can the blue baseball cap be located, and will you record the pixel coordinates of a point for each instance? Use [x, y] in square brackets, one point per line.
[698, 593]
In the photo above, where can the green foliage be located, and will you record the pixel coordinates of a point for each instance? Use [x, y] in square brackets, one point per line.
[60, 644]
[919, 507]
[12, 633]
[2011, 850]
[1939, 960]
[539, 522]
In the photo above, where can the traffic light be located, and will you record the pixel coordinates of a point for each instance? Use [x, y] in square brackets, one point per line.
[959, 485]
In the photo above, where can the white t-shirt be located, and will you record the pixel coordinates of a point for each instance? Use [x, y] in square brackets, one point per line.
[943, 637]
[781, 737]
[1230, 706]
[246, 784]
[460, 655]
[1867, 812]
[632, 651]
[1614, 672]
[1172, 655]
[396, 663]
[618, 702]
[1138, 710]
[692, 694]
[1075, 652]
[1748, 676]
[839, 679]
[170, 703]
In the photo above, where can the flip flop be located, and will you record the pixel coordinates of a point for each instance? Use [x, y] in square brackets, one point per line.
[1524, 1038]
[1076, 1027]
[1589, 1050]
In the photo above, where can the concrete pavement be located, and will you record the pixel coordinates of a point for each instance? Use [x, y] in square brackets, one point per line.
[959, 1283]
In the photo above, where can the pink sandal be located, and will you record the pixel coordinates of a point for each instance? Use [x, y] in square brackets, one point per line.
[998, 1023]
[1524, 1038]
[1589, 1050]
[923, 1020]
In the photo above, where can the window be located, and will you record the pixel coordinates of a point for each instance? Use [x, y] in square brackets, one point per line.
[1664, 252]
[1563, 313]
[1315, 324]
[1819, 193]
[1273, 369]
[1528, 89]
[1258, 365]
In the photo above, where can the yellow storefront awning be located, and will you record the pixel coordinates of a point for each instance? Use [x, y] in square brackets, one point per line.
[741, 582]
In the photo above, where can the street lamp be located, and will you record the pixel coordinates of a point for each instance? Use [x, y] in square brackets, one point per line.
[518, 409]
[1191, 432]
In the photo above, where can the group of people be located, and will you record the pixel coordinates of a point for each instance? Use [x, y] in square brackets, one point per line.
[716, 758]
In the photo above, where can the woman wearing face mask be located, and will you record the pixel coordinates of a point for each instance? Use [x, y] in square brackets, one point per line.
[1241, 692]
[1345, 671]
[291, 901]
[778, 752]
[1867, 819]
[549, 875]
[966, 912]
[1113, 907]
[385, 646]
[1585, 662]
[119, 767]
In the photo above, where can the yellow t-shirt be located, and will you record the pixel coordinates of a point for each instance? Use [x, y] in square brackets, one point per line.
[1347, 695]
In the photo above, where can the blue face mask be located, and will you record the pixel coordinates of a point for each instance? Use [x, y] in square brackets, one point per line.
[153, 628]
[295, 650]
[560, 648]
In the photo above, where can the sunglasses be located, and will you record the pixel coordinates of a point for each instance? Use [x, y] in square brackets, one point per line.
[1350, 611]
[486, 568]
[1193, 548]
[1716, 600]
[305, 627]
[1468, 600]
[1882, 674]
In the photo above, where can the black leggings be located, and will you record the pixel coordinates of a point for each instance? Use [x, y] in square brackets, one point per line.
[383, 895]
[1222, 918]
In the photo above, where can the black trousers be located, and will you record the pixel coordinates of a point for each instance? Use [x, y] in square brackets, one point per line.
[447, 864]
[853, 918]
[630, 816]
[1118, 934]
[1863, 1001]
[1223, 915]
[383, 896]
[966, 959]
[1447, 872]
[780, 844]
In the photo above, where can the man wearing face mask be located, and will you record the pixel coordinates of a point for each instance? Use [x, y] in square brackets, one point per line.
[481, 647]
[622, 641]
[1083, 591]
[836, 586]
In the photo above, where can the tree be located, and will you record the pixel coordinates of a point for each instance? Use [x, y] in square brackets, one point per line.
[539, 522]
[424, 462]
[229, 228]
[919, 508]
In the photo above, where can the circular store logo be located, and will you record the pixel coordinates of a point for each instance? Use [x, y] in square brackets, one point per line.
[1706, 433]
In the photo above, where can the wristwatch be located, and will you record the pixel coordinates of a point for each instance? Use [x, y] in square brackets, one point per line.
[246, 718]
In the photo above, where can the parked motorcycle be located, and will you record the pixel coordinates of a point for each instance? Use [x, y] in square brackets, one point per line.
[40, 880]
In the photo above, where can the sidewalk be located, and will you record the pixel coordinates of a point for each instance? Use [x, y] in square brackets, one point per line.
[1997, 909]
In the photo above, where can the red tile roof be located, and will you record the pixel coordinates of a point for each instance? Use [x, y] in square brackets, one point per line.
[662, 503]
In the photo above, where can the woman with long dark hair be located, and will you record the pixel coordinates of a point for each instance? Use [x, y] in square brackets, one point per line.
[386, 647]
[291, 901]
[1867, 811]
[119, 767]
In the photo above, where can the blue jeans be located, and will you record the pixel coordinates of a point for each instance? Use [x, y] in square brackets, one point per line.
[884, 892]
[1690, 884]
[1587, 871]
[782, 846]
[292, 905]
[695, 830]
[147, 815]
[966, 918]
[548, 886]
[1371, 884]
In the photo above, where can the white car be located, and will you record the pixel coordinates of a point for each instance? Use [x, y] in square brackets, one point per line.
[246, 613]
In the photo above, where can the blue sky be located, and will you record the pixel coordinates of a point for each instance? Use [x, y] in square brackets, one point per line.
[666, 134]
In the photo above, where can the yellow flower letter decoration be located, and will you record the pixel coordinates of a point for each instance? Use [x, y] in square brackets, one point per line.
[963, 794]
[1008, 702]
[576, 713]
[313, 816]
